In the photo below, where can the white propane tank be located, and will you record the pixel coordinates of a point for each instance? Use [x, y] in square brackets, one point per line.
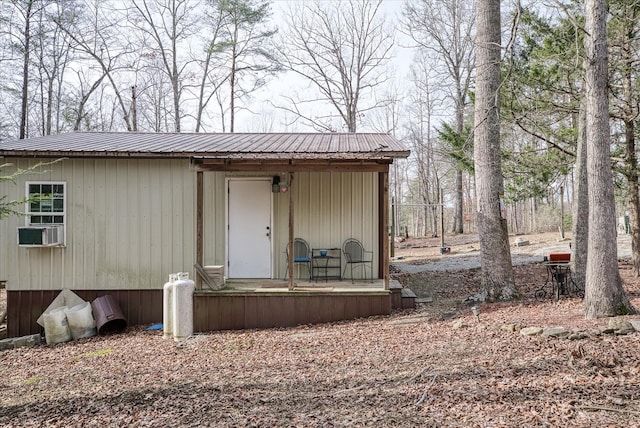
[182, 307]
[167, 307]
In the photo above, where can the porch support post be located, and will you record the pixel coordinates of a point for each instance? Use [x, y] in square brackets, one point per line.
[290, 244]
[383, 227]
[199, 225]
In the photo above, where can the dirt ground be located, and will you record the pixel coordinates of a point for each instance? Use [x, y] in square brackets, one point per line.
[443, 282]
[410, 369]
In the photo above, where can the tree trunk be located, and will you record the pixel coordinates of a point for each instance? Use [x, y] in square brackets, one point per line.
[25, 71]
[175, 75]
[631, 159]
[633, 206]
[134, 109]
[49, 111]
[604, 295]
[457, 218]
[232, 92]
[580, 225]
[497, 272]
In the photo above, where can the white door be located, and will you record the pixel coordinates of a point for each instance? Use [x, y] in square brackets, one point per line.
[249, 221]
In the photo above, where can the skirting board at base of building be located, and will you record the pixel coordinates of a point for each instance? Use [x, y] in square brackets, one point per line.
[212, 311]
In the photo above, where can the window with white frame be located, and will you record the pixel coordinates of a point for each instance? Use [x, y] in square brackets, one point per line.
[46, 203]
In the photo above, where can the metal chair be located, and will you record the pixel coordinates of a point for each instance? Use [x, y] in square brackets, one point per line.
[301, 254]
[355, 254]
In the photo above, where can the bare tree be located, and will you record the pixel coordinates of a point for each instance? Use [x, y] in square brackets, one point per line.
[94, 33]
[85, 90]
[51, 58]
[445, 29]
[43, 52]
[155, 95]
[497, 272]
[386, 120]
[604, 295]
[17, 29]
[423, 103]
[166, 26]
[340, 49]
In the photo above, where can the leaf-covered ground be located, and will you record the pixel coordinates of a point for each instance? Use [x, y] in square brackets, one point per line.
[412, 369]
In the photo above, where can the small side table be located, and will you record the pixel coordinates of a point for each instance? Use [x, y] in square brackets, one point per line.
[559, 278]
[326, 263]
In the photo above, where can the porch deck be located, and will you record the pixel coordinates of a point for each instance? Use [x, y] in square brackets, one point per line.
[244, 304]
[300, 285]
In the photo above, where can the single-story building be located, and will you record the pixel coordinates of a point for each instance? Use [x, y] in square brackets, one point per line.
[116, 213]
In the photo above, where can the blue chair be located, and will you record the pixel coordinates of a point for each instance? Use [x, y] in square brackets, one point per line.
[355, 254]
[301, 254]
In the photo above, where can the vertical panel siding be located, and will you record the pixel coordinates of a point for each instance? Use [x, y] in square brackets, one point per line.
[8, 247]
[214, 218]
[132, 222]
[129, 224]
[331, 207]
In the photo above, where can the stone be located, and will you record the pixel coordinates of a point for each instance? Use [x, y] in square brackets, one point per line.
[509, 327]
[635, 324]
[458, 324]
[559, 332]
[520, 242]
[31, 340]
[6, 344]
[594, 332]
[620, 327]
[20, 342]
[531, 331]
[577, 335]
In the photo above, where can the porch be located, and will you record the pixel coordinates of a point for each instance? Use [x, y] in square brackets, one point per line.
[300, 285]
[246, 304]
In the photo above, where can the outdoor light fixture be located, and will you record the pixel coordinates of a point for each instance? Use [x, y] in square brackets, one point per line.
[278, 186]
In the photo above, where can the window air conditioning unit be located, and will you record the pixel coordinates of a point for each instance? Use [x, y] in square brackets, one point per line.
[40, 236]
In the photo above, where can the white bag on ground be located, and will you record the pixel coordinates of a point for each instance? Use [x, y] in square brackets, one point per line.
[56, 327]
[81, 322]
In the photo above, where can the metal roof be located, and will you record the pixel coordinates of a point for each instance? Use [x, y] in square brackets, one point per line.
[343, 146]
